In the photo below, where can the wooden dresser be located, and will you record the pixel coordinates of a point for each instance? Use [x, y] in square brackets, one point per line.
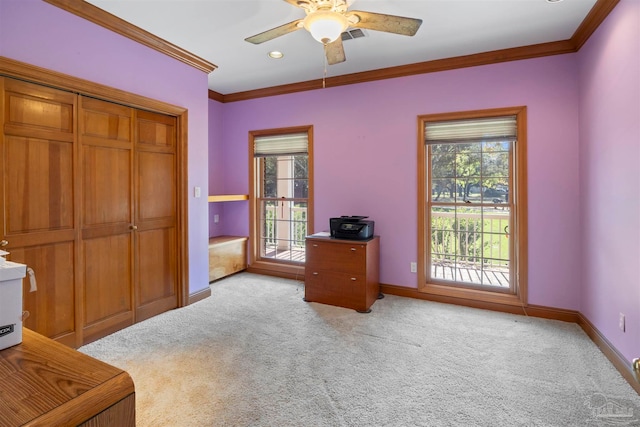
[44, 383]
[342, 272]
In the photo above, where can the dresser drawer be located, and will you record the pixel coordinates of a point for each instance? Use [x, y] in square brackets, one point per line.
[341, 289]
[346, 258]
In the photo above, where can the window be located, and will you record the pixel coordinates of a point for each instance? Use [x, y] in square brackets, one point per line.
[472, 199]
[281, 198]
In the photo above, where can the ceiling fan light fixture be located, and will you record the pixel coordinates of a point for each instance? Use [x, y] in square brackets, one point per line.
[325, 25]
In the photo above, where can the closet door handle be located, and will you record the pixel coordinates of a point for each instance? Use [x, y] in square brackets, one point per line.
[133, 227]
[3, 243]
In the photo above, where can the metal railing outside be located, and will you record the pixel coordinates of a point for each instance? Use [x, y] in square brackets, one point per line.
[471, 247]
[293, 245]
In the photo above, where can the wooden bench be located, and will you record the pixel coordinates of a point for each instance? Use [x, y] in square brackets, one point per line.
[227, 255]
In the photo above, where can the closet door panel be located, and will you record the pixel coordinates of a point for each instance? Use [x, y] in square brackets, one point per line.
[38, 109]
[156, 132]
[52, 307]
[107, 301]
[40, 193]
[156, 249]
[106, 213]
[107, 181]
[156, 278]
[156, 183]
[37, 215]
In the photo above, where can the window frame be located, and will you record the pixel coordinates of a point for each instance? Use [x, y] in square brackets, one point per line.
[257, 264]
[444, 291]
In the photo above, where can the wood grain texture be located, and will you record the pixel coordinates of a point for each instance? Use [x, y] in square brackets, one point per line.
[95, 134]
[156, 219]
[341, 272]
[122, 413]
[38, 209]
[44, 383]
[43, 76]
[51, 308]
[106, 213]
[227, 255]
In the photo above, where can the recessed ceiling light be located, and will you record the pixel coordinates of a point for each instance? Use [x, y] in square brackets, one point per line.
[275, 54]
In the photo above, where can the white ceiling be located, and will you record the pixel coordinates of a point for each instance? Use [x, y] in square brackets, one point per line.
[215, 31]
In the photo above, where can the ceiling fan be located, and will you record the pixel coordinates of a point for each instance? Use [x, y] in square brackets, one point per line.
[327, 19]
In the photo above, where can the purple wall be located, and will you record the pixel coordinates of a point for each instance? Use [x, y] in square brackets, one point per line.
[365, 144]
[610, 176]
[38, 33]
[233, 216]
[216, 177]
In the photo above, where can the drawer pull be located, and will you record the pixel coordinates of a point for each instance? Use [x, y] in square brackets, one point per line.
[315, 273]
[353, 279]
[353, 249]
[315, 246]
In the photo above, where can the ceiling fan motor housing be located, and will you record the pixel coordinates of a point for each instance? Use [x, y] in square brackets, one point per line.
[311, 6]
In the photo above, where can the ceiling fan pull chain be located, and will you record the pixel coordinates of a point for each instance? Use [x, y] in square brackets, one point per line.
[324, 61]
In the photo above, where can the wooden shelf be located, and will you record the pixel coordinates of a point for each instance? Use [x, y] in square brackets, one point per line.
[228, 197]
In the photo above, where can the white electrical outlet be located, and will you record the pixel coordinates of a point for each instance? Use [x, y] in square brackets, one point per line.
[414, 267]
[216, 218]
[197, 192]
[621, 322]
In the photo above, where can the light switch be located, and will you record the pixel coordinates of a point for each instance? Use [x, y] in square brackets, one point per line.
[196, 192]
[216, 218]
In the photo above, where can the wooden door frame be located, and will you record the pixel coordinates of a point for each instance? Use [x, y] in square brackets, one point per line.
[38, 75]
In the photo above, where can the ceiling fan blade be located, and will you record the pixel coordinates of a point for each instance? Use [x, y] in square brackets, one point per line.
[293, 2]
[335, 52]
[386, 23]
[275, 32]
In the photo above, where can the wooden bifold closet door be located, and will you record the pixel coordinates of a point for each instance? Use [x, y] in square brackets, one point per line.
[90, 203]
[38, 203]
[128, 215]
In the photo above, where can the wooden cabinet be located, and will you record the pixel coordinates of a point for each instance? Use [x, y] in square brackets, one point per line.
[44, 383]
[227, 255]
[342, 272]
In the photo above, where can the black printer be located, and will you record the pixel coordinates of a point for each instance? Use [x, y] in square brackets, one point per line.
[351, 227]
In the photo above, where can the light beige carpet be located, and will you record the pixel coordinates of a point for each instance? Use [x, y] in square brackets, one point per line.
[256, 354]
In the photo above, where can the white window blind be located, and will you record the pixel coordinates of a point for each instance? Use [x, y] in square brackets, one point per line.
[473, 130]
[280, 145]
